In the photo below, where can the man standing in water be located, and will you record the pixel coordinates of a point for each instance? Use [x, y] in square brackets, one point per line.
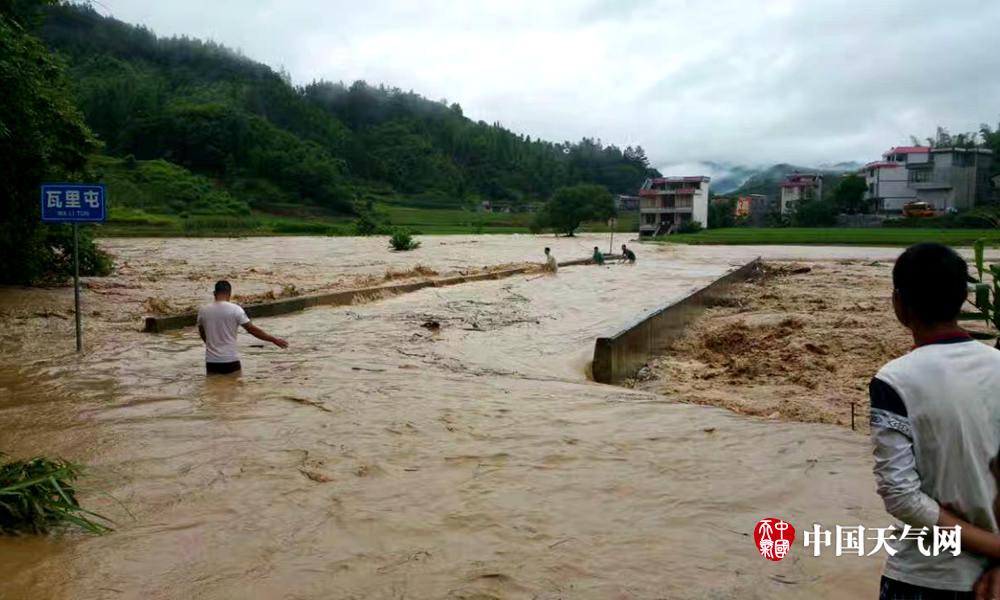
[550, 262]
[218, 324]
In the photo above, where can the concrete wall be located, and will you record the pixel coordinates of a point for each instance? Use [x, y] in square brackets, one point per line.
[619, 356]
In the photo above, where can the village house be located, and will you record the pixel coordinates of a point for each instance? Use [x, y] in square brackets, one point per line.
[949, 178]
[666, 203]
[798, 187]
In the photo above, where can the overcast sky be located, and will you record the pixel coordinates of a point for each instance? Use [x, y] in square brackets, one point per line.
[744, 81]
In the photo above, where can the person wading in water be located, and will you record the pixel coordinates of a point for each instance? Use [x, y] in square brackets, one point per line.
[218, 324]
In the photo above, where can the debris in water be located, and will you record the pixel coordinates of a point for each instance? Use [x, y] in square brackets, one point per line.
[431, 325]
[307, 402]
[316, 476]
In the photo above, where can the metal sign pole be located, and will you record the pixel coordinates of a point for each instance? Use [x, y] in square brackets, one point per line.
[74, 203]
[76, 285]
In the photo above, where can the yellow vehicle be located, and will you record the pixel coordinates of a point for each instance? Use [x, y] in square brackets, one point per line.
[918, 209]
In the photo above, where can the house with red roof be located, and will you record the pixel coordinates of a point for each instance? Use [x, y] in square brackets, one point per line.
[798, 187]
[888, 179]
[666, 203]
[946, 178]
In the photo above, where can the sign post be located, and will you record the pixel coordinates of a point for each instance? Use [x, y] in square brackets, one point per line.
[611, 245]
[74, 203]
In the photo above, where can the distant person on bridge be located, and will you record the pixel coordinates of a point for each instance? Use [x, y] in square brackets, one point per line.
[598, 257]
[218, 324]
[550, 262]
[628, 255]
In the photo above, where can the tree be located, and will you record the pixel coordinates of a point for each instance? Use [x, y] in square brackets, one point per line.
[849, 193]
[721, 213]
[42, 136]
[571, 206]
[810, 212]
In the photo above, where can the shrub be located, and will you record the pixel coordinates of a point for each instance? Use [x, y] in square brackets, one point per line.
[59, 258]
[38, 494]
[691, 226]
[402, 240]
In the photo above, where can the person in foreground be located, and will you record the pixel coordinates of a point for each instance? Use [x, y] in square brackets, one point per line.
[934, 424]
[218, 324]
[598, 257]
[628, 255]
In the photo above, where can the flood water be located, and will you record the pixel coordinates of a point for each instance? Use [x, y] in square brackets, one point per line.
[376, 458]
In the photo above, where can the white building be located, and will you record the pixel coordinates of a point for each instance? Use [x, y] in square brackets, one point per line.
[945, 178]
[798, 187]
[888, 179]
[668, 202]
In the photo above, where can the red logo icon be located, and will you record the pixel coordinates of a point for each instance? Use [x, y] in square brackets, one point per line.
[773, 537]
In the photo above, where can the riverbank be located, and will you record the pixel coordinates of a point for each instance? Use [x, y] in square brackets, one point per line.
[798, 344]
[833, 236]
[131, 223]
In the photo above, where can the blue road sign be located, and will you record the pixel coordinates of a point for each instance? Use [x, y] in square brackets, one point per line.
[74, 203]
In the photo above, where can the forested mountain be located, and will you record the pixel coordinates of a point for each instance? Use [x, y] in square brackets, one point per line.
[768, 181]
[263, 142]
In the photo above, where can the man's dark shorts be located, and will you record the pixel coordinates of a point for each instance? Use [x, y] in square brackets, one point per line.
[897, 590]
[222, 368]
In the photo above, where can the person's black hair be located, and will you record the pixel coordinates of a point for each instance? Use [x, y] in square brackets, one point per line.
[930, 279]
[546, 248]
[223, 287]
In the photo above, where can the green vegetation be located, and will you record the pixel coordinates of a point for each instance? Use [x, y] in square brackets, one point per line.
[871, 236]
[42, 137]
[987, 297]
[38, 494]
[572, 206]
[721, 213]
[233, 137]
[402, 241]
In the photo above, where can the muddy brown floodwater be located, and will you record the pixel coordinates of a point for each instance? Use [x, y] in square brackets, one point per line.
[377, 459]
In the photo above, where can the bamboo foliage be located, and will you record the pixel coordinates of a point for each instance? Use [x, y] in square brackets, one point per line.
[985, 288]
[38, 494]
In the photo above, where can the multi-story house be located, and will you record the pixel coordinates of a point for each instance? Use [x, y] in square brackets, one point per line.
[888, 179]
[798, 187]
[668, 202]
[945, 178]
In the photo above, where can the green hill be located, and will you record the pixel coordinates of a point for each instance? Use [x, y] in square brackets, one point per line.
[236, 135]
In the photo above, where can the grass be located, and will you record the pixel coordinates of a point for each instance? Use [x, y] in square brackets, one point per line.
[869, 236]
[133, 222]
[37, 495]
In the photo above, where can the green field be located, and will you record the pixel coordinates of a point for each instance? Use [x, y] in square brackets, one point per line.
[131, 222]
[870, 236]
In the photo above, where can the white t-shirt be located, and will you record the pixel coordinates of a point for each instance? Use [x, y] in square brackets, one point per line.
[221, 322]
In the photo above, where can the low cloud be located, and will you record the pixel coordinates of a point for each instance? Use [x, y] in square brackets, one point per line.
[794, 81]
